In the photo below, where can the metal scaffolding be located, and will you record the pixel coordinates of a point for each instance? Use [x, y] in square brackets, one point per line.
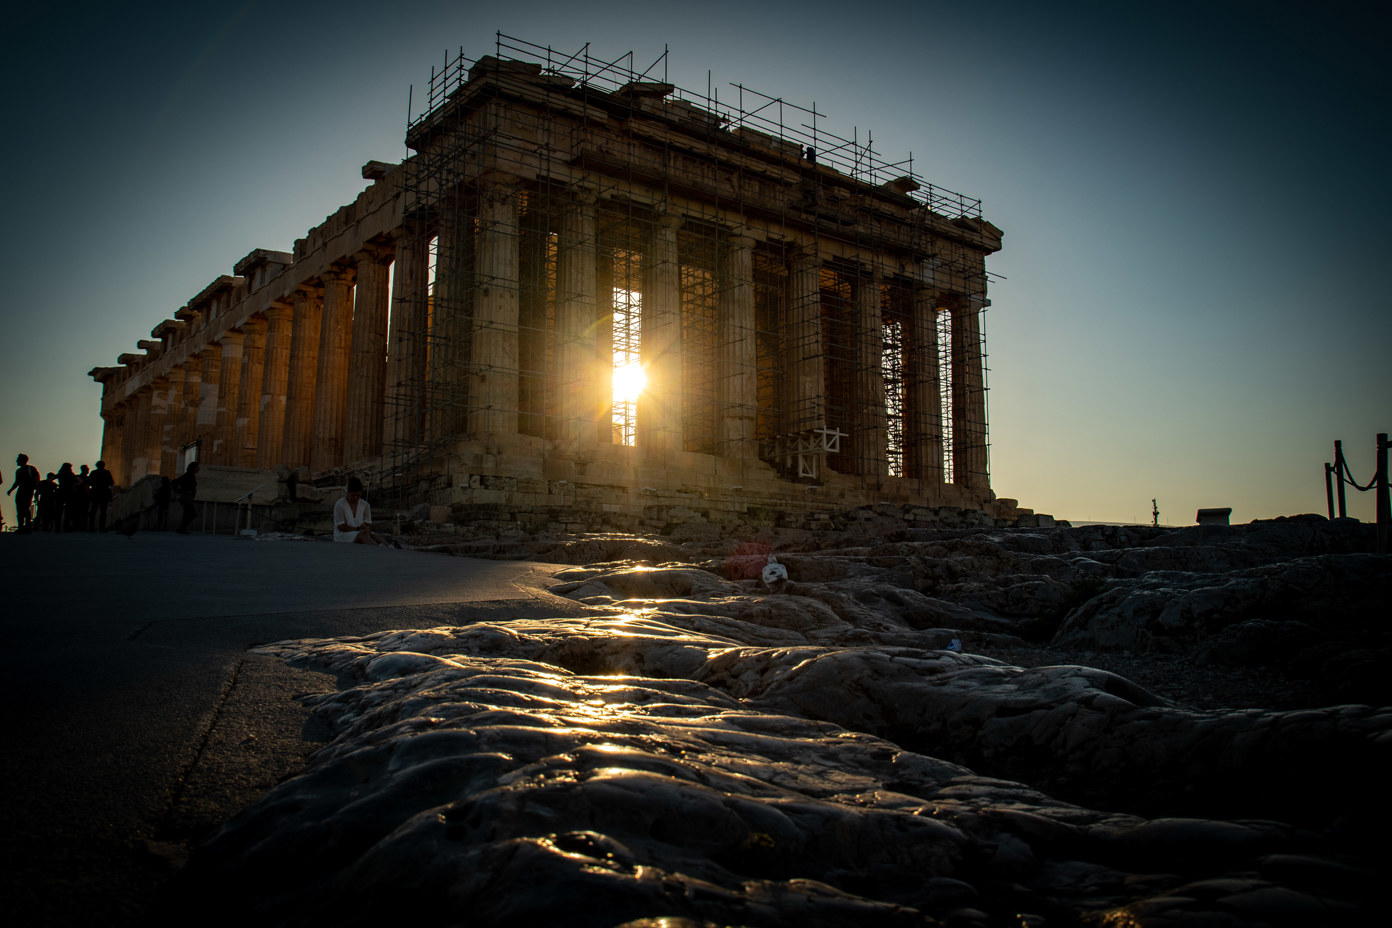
[511, 207]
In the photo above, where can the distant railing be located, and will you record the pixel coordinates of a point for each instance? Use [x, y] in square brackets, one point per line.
[1339, 471]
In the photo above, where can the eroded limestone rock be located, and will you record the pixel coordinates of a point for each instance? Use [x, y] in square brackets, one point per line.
[700, 751]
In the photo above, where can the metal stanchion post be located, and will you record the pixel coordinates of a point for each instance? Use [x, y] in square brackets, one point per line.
[1340, 471]
[1329, 489]
[1384, 514]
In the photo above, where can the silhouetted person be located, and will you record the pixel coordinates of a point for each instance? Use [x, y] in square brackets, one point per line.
[67, 497]
[186, 487]
[99, 484]
[26, 481]
[163, 494]
[48, 503]
[82, 500]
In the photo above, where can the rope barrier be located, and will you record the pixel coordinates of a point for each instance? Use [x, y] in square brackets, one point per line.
[1347, 477]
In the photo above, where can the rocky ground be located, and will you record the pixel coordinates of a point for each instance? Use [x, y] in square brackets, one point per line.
[1143, 727]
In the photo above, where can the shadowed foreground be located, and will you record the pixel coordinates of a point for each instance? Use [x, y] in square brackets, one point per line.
[701, 747]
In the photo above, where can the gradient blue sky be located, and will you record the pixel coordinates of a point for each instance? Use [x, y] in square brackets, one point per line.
[1195, 199]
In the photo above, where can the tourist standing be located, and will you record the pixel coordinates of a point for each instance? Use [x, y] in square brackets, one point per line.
[67, 497]
[26, 481]
[48, 503]
[187, 489]
[163, 494]
[99, 486]
[82, 499]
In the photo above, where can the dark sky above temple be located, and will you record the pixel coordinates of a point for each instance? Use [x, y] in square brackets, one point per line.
[1195, 200]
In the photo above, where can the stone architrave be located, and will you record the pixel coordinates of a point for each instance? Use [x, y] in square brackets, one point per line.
[868, 442]
[275, 375]
[249, 391]
[304, 363]
[367, 356]
[575, 315]
[737, 389]
[660, 406]
[493, 382]
[410, 324]
[926, 430]
[331, 382]
[172, 433]
[806, 380]
[225, 431]
[969, 464]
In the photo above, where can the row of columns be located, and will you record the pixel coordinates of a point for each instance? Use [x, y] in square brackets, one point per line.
[303, 382]
[276, 389]
[583, 374]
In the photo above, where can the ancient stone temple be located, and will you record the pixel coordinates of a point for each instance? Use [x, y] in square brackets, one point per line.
[588, 288]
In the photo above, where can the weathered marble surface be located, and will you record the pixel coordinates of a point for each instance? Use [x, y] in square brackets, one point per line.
[701, 748]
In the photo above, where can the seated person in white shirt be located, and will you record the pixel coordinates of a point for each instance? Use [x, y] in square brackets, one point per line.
[353, 517]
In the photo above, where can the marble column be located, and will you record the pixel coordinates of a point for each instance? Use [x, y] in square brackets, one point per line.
[493, 380]
[249, 392]
[409, 326]
[193, 397]
[172, 433]
[275, 376]
[206, 422]
[869, 440]
[660, 406]
[738, 388]
[152, 437]
[138, 440]
[225, 448]
[305, 326]
[113, 440]
[969, 462]
[576, 252]
[367, 356]
[447, 397]
[331, 380]
[806, 378]
[925, 433]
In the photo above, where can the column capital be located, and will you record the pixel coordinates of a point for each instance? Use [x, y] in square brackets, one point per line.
[254, 325]
[496, 178]
[339, 273]
[670, 221]
[310, 289]
[740, 240]
[372, 253]
[804, 254]
[279, 310]
[412, 227]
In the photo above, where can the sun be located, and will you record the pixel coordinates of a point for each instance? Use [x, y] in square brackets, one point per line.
[629, 380]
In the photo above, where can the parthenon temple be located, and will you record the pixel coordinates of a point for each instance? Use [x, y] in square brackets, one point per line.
[586, 287]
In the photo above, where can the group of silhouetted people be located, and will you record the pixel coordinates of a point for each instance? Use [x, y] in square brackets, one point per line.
[68, 501]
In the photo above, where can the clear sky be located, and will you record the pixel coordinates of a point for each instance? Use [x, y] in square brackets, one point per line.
[1196, 200]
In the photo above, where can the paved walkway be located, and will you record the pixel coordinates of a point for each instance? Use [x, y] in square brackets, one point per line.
[135, 721]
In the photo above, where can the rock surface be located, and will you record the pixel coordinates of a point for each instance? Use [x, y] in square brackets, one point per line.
[703, 751]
